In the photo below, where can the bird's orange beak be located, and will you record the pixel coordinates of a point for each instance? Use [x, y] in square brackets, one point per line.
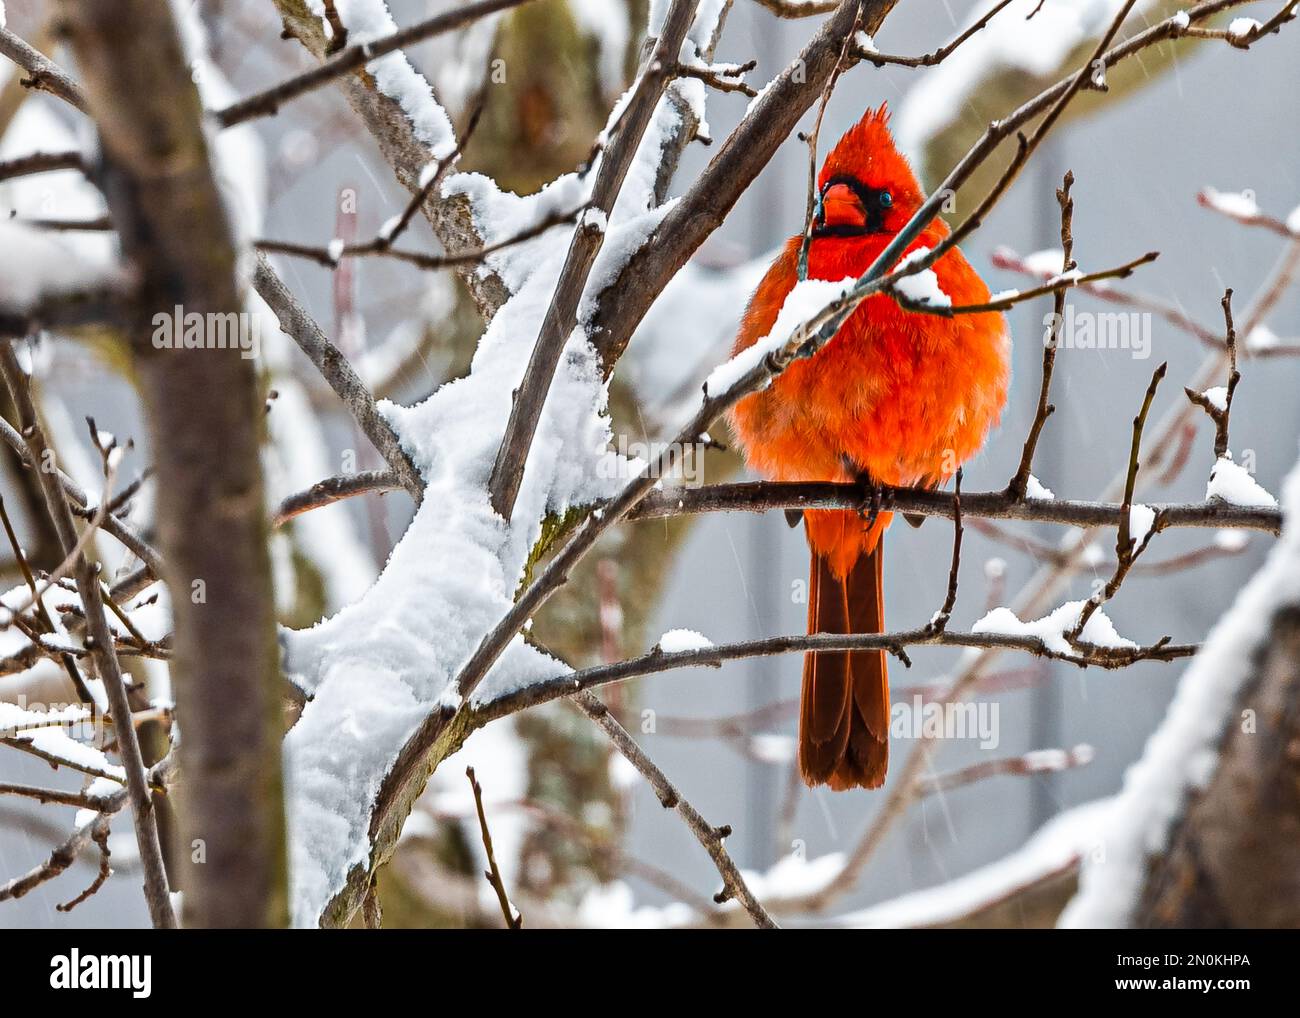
[841, 207]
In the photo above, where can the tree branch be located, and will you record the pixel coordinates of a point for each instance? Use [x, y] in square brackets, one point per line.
[712, 838]
[100, 643]
[1082, 654]
[749, 148]
[205, 414]
[343, 379]
[562, 314]
[765, 496]
[514, 921]
[46, 75]
[355, 58]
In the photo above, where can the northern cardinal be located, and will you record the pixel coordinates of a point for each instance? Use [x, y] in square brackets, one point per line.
[895, 397]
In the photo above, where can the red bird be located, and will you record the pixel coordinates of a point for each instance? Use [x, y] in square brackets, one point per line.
[895, 397]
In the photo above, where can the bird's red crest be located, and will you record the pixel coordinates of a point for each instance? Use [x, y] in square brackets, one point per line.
[868, 153]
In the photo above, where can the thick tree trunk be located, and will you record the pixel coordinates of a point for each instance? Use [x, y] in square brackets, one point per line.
[1234, 859]
[205, 416]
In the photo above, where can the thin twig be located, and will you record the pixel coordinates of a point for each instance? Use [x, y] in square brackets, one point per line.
[379, 248]
[334, 489]
[711, 838]
[44, 74]
[944, 614]
[354, 58]
[41, 162]
[47, 795]
[343, 379]
[1043, 761]
[939, 55]
[1221, 415]
[81, 506]
[514, 921]
[1127, 548]
[99, 835]
[1004, 258]
[100, 642]
[1020, 481]
[1056, 285]
[1257, 218]
[811, 139]
[64, 855]
[798, 8]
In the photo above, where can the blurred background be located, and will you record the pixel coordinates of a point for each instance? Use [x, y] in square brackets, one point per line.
[572, 826]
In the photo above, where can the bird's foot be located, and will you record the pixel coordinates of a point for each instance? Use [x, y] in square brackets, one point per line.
[874, 500]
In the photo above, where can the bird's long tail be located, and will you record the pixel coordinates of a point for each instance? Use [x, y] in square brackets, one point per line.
[844, 710]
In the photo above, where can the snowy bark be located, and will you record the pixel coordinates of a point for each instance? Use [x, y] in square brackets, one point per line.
[1234, 859]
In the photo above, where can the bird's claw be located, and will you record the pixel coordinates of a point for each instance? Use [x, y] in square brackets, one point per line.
[874, 500]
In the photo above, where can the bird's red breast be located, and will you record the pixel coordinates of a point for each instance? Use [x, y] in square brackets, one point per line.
[904, 397]
[899, 397]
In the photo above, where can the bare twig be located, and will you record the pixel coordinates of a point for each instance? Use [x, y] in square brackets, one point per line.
[334, 489]
[70, 560]
[1127, 547]
[381, 248]
[354, 58]
[712, 838]
[944, 614]
[765, 496]
[1206, 199]
[66, 854]
[1004, 258]
[798, 8]
[99, 835]
[100, 642]
[1020, 482]
[724, 78]
[937, 56]
[514, 921]
[28, 656]
[1221, 415]
[41, 162]
[44, 74]
[80, 505]
[331, 363]
[47, 795]
[1043, 761]
[1056, 285]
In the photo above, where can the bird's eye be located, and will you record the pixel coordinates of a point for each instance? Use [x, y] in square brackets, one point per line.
[886, 200]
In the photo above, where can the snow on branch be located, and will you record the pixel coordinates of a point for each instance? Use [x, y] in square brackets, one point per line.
[1054, 851]
[1182, 755]
[378, 671]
